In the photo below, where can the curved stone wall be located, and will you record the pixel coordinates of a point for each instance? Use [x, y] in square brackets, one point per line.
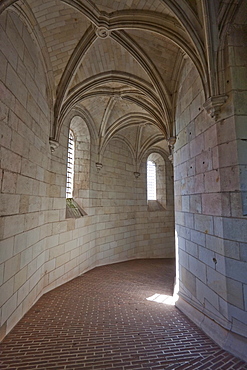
[41, 249]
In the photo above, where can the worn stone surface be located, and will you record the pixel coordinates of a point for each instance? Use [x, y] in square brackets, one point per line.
[131, 85]
[221, 271]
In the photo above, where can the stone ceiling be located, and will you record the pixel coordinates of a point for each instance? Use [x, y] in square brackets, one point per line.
[119, 61]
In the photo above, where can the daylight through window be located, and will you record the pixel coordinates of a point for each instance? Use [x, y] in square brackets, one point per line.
[70, 165]
[151, 180]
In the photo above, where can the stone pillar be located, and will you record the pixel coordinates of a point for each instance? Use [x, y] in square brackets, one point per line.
[211, 230]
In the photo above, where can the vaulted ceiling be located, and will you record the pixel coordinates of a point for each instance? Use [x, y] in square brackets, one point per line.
[118, 61]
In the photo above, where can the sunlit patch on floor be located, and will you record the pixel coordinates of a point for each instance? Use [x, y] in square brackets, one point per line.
[162, 298]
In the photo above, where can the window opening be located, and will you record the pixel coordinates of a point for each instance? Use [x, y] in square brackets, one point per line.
[151, 180]
[70, 165]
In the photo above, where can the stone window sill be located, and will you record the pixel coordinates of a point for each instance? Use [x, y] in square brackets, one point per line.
[154, 206]
[73, 210]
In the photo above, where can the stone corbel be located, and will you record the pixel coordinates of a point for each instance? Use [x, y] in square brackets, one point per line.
[137, 174]
[171, 143]
[213, 105]
[171, 158]
[54, 144]
[98, 166]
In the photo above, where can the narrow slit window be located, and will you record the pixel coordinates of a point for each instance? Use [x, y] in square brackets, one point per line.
[70, 165]
[151, 180]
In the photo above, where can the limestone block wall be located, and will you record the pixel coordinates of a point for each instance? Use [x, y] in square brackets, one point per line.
[116, 205]
[129, 229]
[237, 85]
[210, 226]
[155, 229]
[26, 210]
[39, 248]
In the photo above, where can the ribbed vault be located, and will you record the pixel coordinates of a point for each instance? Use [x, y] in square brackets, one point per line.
[119, 61]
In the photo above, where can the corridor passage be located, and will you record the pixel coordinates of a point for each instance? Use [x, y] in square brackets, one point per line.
[109, 318]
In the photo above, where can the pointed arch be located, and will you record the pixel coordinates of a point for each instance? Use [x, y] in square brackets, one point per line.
[130, 45]
[121, 123]
[70, 70]
[85, 115]
[125, 141]
[77, 93]
[26, 15]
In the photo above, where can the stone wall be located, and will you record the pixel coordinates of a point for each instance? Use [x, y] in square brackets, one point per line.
[25, 205]
[39, 248]
[155, 228]
[210, 226]
[237, 85]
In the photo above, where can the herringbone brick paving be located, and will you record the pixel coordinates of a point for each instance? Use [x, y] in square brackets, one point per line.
[102, 320]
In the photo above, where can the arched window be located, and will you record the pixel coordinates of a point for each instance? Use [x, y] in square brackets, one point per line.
[77, 179]
[70, 165]
[81, 161]
[156, 182]
[151, 180]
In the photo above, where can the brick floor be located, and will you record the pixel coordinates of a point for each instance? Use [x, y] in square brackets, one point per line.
[102, 320]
